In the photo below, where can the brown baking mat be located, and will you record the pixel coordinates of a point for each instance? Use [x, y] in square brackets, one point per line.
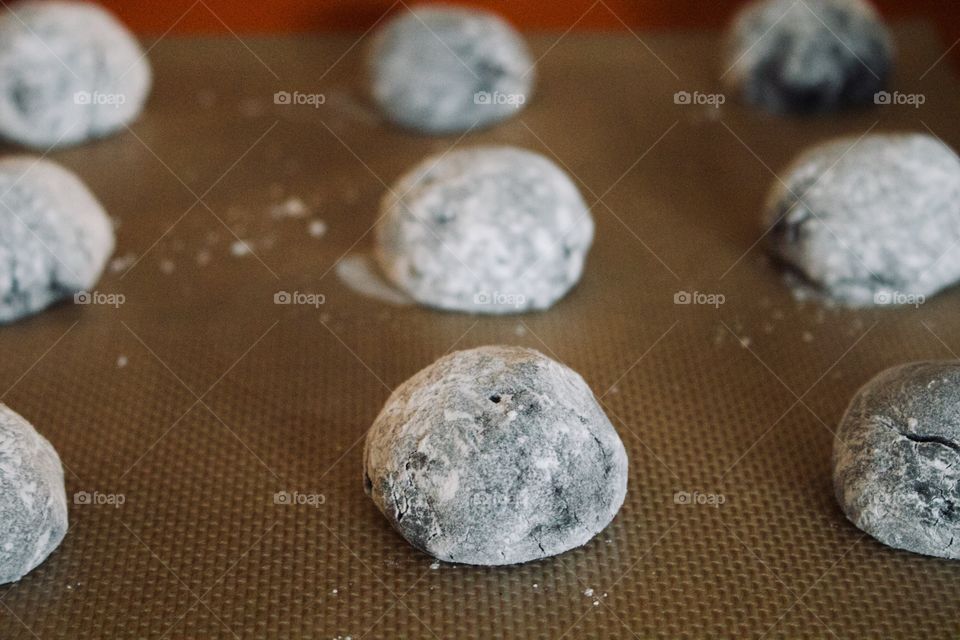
[198, 399]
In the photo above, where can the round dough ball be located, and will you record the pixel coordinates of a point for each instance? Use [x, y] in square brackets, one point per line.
[896, 459]
[870, 222]
[442, 69]
[56, 237]
[813, 56]
[484, 230]
[33, 501]
[69, 72]
[494, 456]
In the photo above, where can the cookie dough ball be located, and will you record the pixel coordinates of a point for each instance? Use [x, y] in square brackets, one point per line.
[494, 456]
[33, 501]
[896, 460]
[870, 222]
[484, 230]
[69, 72]
[813, 56]
[56, 237]
[443, 69]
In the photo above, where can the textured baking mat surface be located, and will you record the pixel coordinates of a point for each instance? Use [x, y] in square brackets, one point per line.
[199, 399]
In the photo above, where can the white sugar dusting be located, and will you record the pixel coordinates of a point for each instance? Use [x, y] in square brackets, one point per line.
[317, 228]
[122, 263]
[292, 207]
[360, 273]
[240, 248]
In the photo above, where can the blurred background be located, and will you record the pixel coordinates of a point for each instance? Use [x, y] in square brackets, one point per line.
[279, 16]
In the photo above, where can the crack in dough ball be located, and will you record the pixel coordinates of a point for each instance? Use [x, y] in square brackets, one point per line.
[33, 500]
[56, 237]
[813, 56]
[69, 72]
[896, 458]
[444, 69]
[874, 221]
[493, 456]
[484, 230]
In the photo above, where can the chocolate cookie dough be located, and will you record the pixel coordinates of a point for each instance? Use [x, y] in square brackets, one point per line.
[69, 72]
[493, 456]
[55, 240]
[445, 69]
[33, 501]
[811, 56]
[873, 221]
[896, 460]
[490, 230]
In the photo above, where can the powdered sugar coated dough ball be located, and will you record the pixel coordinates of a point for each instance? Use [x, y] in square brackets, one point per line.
[55, 240]
[33, 501]
[444, 69]
[69, 72]
[485, 230]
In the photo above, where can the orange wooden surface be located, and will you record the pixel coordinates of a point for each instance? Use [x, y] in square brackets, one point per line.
[246, 16]
[281, 16]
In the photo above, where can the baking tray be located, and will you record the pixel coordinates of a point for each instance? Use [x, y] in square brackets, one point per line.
[199, 399]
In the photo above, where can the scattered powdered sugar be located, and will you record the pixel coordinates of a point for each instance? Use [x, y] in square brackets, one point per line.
[360, 273]
[292, 207]
[240, 248]
[317, 228]
[122, 263]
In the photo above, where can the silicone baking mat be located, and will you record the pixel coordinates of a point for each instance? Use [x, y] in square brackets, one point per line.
[213, 437]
